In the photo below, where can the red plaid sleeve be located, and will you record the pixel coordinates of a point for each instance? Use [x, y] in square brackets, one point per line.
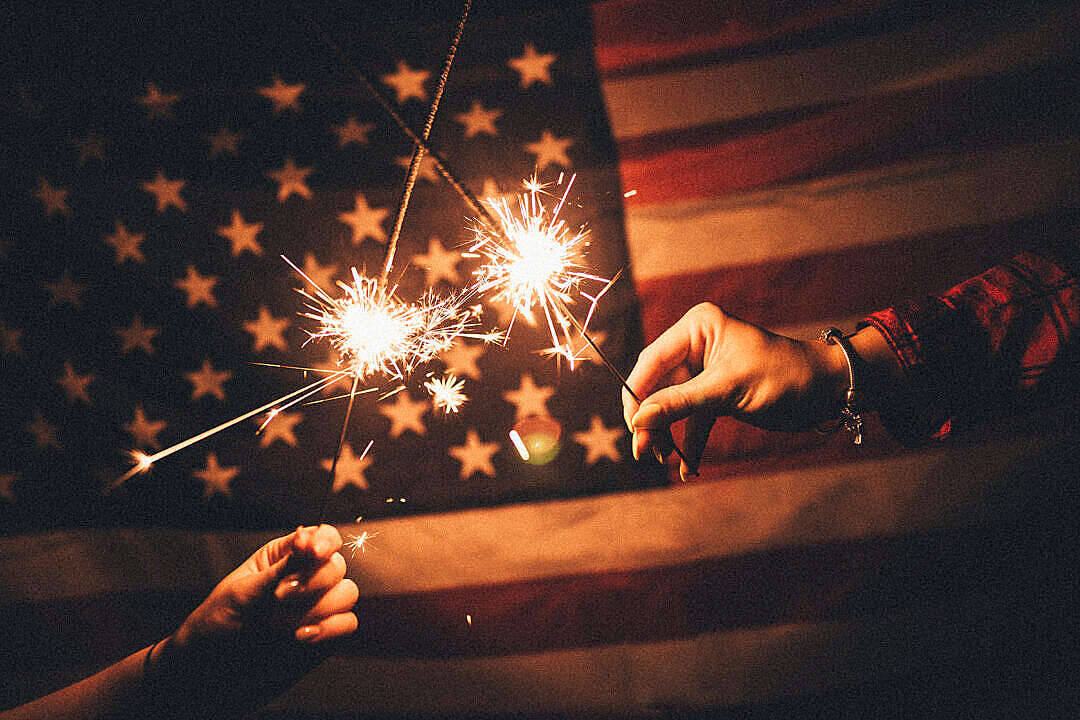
[992, 345]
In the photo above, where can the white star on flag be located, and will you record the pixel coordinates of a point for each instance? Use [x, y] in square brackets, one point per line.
[352, 131]
[533, 67]
[166, 192]
[267, 330]
[438, 263]
[207, 381]
[407, 83]
[126, 244]
[75, 384]
[216, 479]
[281, 427]
[460, 359]
[291, 180]
[321, 275]
[350, 469]
[43, 431]
[136, 336]
[242, 236]
[550, 150]
[199, 288]
[53, 198]
[479, 121]
[157, 103]
[145, 431]
[284, 97]
[474, 455]
[65, 290]
[223, 142]
[404, 413]
[365, 221]
[91, 147]
[599, 441]
[528, 398]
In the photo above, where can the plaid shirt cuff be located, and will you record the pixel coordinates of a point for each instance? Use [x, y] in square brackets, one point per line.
[988, 346]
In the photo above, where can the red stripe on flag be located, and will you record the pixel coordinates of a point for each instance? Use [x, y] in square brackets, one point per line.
[710, 162]
[849, 282]
[631, 34]
[829, 581]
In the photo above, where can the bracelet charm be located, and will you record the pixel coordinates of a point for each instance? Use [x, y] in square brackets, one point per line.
[850, 418]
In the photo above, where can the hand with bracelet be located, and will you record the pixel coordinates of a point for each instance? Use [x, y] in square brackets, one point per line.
[738, 369]
[263, 627]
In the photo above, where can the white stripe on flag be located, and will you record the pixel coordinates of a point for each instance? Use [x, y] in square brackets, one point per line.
[619, 532]
[852, 210]
[913, 58]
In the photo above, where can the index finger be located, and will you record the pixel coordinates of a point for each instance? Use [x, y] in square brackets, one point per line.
[316, 544]
[658, 358]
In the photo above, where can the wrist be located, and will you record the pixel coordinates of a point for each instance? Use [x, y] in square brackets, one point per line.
[830, 372]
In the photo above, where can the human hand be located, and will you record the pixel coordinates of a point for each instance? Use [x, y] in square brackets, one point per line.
[263, 626]
[736, 369]
[293, 584]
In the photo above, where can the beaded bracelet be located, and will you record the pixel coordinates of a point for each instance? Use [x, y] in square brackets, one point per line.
[850, 419]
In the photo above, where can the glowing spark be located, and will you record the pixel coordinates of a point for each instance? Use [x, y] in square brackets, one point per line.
[468, 619]
[358, 543]
[629, 193]
[143, 461]
[523, 451]
[375, 332]
[535, 261]
[447, 392]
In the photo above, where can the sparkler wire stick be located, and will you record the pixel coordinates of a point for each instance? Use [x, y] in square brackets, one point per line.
[444, 170]
[418, 150]
[337, 453]
[614, 370]
[441, 165]
[145, 461]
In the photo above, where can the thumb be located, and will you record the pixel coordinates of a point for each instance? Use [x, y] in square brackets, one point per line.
[262, 582]
[671, 404]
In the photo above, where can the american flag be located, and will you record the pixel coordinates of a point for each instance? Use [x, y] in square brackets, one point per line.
[799, 166]
[147, 287]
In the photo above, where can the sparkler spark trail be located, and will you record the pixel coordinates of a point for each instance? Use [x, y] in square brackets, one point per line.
[534, 261]
[144, 461]
[375, 332]
[358, 543]
[447, 392]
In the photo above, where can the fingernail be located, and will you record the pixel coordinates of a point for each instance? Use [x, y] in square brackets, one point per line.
[658, 455]
[634, 445]
[645, 415]
[288, 588]
[307, 633]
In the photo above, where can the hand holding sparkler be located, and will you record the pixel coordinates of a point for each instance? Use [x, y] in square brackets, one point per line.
[249, 637]
[735, 369]
[260, 630]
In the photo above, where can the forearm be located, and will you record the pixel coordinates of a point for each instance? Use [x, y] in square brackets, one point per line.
[116, 691]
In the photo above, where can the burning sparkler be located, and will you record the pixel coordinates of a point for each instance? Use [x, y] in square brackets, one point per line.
[534, 261]
[374, 332]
